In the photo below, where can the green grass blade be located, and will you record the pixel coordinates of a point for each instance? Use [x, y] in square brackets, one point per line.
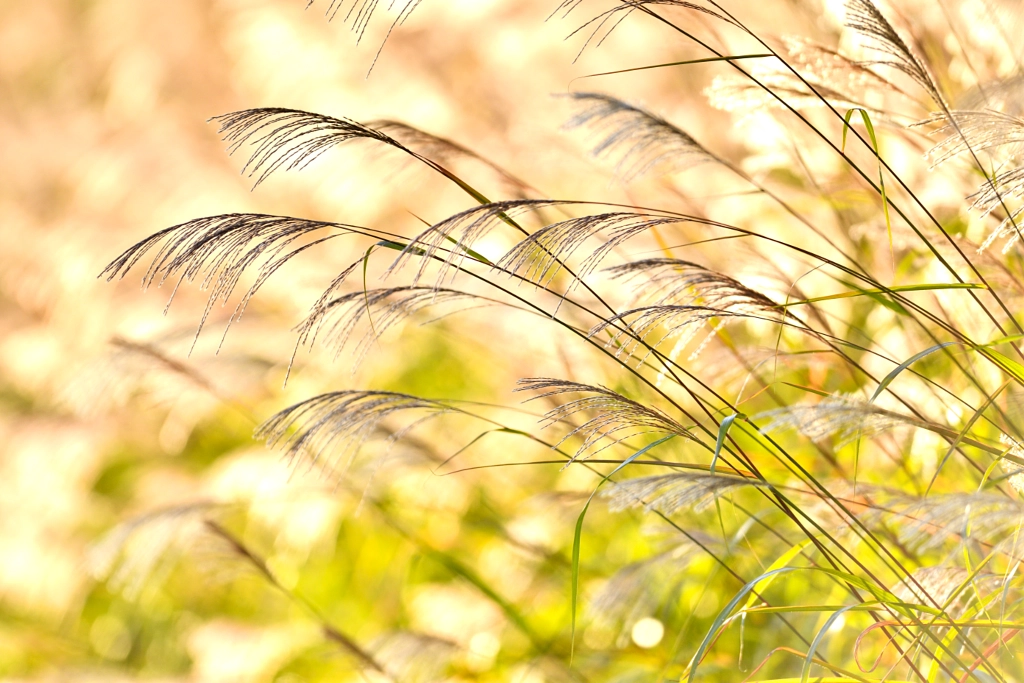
[782, 561]
[809, 660]
[881, 176]
[887, 380]
[723, 430]
[578, 535]
[887, 290]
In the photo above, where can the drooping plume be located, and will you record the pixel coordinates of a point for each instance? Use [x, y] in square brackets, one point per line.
[612, 416]
[218, 250]
[637, 141]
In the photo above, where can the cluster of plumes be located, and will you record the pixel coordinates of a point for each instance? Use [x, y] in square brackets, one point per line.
[614, 417]
[808, 75]
[925, 524]
[685, 296]
[218, 249]
[333, 427]
[974, 131]
[542, 255]
[986, 120]
[640, 141]
[669, 493]
[448, 243]
[845, 417]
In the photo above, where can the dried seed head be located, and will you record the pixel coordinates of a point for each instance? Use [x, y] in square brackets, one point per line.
[615, 417]
[844, 416]
[669, 493]
[639, 141]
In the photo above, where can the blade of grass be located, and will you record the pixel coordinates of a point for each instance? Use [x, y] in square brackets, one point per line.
[578, 534]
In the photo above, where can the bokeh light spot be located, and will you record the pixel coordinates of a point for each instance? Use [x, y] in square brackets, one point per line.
[648, 632]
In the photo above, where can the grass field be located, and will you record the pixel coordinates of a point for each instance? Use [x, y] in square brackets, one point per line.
[644, 340]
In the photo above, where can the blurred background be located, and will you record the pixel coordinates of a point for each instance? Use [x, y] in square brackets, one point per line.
[116, 442]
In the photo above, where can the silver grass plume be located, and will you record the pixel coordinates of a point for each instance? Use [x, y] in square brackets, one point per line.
[1014, 470]
[926, 524]
[636, 328]
[709, 295]
[1008, 185]
[674, 281]
[941, 585]
[844, 416]
[111, 379]
[337, 317]
[413, 657]
[864, 17]
[444, 151]
[292, 139]
[837, 80]
[602, 25]
[928, 585]
[131, 368]
[685, 297]
[669, 493]
[640, 141]
[218, 249]
[640, 589]
[1004, 95]
[450, 242]
[540, 257]
[308, 328]
[137, 551]
[615, 417]
[329, 427]
[985, 131]
[977, 130]
[360, 12]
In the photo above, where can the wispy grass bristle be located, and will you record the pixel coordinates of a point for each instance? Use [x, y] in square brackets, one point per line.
[639, 141]
[331, 428]
[614, 417]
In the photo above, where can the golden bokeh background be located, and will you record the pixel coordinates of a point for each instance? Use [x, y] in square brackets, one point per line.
[107, 416]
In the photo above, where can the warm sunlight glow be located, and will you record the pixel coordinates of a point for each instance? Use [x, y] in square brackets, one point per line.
[647, 632]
